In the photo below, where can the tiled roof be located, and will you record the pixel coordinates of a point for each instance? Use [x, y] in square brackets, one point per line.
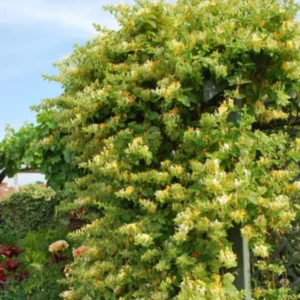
[5, 190]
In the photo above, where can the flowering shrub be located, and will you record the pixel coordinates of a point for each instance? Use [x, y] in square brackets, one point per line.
[172, 164]
[179, 125]
[45, 268]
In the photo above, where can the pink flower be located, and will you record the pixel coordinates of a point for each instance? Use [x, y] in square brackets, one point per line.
[79, 251]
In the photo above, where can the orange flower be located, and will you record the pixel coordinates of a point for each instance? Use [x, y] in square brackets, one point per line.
[79, 251]
[73, 213]
[195, 254]
[83, 211]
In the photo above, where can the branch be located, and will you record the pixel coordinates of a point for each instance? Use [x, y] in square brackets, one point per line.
[3, 175]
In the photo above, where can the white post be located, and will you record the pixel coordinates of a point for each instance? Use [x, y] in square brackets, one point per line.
[246, 269]
[241, 248]
[16, 182]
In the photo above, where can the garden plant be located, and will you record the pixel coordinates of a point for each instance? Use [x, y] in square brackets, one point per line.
[171, 130]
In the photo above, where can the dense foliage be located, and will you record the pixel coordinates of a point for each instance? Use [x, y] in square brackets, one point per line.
[163, 171]
[28, 209]
[28, 222]
[30, 147]
[45, 275]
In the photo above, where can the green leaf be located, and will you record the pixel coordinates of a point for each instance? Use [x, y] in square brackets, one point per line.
[282, 98]
[184, 100]
[193, 98]
[153, 115]
[153, 24]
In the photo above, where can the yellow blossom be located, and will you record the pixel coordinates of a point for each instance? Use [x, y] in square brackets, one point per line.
[58, 246]
[238, 215]
[261, 251]
[227, 258]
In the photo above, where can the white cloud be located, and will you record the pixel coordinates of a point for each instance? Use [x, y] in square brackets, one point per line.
[73, 17]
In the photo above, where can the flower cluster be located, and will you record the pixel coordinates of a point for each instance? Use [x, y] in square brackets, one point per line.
[58, 246]
[228, 258]
[80, 250]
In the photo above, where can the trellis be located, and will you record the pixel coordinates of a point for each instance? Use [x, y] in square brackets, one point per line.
[287, 246]
[287, 252]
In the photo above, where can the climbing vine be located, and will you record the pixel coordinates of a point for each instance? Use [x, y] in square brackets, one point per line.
[178, 125]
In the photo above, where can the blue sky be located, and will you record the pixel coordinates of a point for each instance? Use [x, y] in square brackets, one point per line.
[33, 35]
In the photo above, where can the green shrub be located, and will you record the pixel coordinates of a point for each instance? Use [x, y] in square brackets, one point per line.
[27, 220]
[43, 283]
[37, 244]
[8, 236]
[44, 280]
[44, 275]
[28, 209]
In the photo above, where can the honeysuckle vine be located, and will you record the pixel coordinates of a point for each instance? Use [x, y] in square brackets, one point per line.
[162, 171]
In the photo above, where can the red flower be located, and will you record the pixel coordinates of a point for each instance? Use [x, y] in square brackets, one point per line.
[4, 250]
[195, 254]
[10, 251]
[11, 265]
[79, 251]
[15, 250]
[73, 213]
[83, 211]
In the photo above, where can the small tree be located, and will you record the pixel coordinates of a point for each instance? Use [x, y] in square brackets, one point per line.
[163, 172]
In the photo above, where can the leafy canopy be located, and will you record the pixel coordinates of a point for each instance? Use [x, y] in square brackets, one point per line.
[163, 170]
